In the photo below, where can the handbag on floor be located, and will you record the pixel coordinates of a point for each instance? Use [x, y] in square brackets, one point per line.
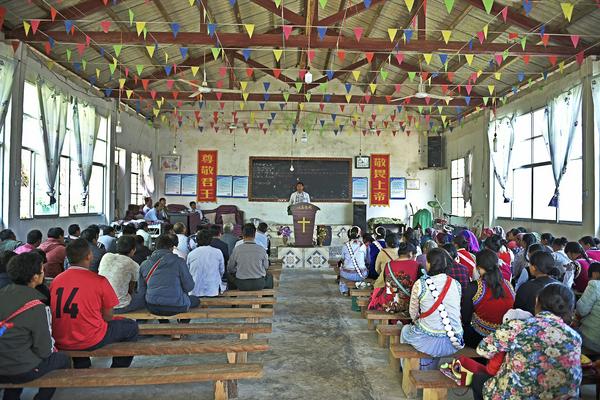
[457, 372]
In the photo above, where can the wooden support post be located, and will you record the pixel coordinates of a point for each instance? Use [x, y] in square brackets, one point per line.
[370, 324]
[394, 362]
[408, 365]
[435, 394]
[221, 391]
[382, 340]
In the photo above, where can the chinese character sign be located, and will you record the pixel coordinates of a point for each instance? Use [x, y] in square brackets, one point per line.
[207, 176]
[380, 179]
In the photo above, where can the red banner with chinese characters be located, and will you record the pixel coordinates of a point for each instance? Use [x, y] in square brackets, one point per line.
[380, 179]
[206, 191]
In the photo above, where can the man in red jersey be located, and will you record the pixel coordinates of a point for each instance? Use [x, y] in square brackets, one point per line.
[82, 309]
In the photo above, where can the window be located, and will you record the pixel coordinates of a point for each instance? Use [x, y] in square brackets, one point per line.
[457, 171]
[532, 180]
[137, 189]
[68, 186]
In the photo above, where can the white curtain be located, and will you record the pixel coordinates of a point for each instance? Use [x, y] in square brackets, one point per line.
[467, 185]
[147, 175]
[563, 119]
[596, 102]
[53, 112]
[501, 135]
[86, 123]
[7, 72]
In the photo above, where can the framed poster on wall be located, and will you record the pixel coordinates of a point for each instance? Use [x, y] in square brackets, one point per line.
[170, 162]
[172, 184]
[360, 188]
[188, 184]
[224, 186]
[397, 188]
[240, 186]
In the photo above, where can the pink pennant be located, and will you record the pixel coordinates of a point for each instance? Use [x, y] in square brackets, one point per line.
[545, 39]
[504, 13]
[373, 116]
[579, 57]
[218, 95]
[362, 107]
[368, 98]
[87, 40]
[481, 36]
[35, 23]
[170, 83]
[276, 72]
[223, 71]
[48, 48]
[197, 114]
[222, 104]
[427, 100]
[552, 60]
[342, 107]
[468, 87]
[369, 55]
[397, 87]
[287, 30]
[499, 59]
[127, 72]
[175, 94]
[80, 49]
[451, 76]
[575, 40]
[220, 84]
[444, 88]
[358, 33]
[311, 55]
[52, 13]
[105, 25]
[399, 57]
[153, 94]
[427, 119]
[301, 74]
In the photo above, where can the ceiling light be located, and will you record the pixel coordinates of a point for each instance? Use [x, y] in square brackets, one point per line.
[308, 77]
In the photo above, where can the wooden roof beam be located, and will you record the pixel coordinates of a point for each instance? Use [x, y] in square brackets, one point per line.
[347, 13]
[288, 15]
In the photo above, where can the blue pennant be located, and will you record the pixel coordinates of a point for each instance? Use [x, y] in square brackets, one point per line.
[231, 2]
[281, 106]
[51, 41]
[273, 115]
[201, 128]
[443, 58]
[293, 130]
[267, 85]
[269, 120]
[322, 121]
[211, 29]
[333, 117]
[468, 100]
[399, 109]
[321, 30]
[329, 74]
[175, 28]
[107, 92]
[246, 54]
[184, 52]
[542, 30]
[335, 132]
[266, 96]
[515, 90]
[408, 34]
[327, 98]
[458, 109]
[545, 75]
[168, 69]
[341, 127]
[471, 44]
[77, 66]
[201, 104]
[367, 3]
[102, 51]
[68, 25]
[527, 6]
[92, 79]
[521, 76]
[348, 87]
[262, 106]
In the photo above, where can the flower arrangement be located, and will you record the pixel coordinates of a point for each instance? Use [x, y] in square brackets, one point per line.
[284, 231]
[321, 235]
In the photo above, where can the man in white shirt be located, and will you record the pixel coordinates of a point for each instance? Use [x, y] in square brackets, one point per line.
[147, 204]
[193, 209]
[143, 232]
[299, 196]
[261, 237]
[206, 265]
[183, 243]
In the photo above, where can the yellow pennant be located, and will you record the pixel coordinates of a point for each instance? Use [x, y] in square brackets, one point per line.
[427, 57]
[446, 35]
[485, 31]
[150, 50]
[159, 103]
[277, 53]
[301, 105]
[447, 100]
[249, 29]
[498, 75]
[192, 3]
[561, 66]
[491, 89]
[356, 75]
[245, 96]
[444, 119]
[139, 27]
[409, 4]
[479, 73]
[380, 108]
[195, 70]
[129, 92]
[121, 83]
[469, 58]
[243, 85]
[440, 108]
[98, 73]
[251, 117]
[373, 87]
[348, 98]
[392, 33]
[166, 57]
[50, 64]
[155, 111]
[242, 105]
[567, 9]
[26, 27]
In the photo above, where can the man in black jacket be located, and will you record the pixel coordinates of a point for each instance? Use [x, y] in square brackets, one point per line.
[27, 348]
[217, 243]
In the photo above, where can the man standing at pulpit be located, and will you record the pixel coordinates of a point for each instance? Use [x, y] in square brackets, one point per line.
[299, 196]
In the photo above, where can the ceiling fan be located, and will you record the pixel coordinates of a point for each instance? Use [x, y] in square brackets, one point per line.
[422, 93]
[203, 88]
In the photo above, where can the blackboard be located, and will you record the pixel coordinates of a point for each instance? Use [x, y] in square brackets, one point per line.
[325, 179]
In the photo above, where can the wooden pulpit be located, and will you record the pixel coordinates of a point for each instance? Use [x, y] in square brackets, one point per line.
[304, 223]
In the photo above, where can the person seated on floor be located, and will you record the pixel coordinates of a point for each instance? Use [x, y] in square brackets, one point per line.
[74, 231]
[90, 236]
[261, 237]
[184, 243]
[8, 240]
[123, 273]
[26, 348]
[82, 305]
[108, 239]
[434, 308]
[217, 243]
[141, 251]
[228, 237]
[56, 254]
[166, 280]
[34, 240]
[248, 266]
[354, 256]
[548, 337]
[486, 300]
[399, 277]
[543, 270]
[588, 311]
[143, 232]
[455, 269]
[207, 267]
[5, 257]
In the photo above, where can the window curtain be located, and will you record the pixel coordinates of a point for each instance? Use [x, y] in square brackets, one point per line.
[147, 175]
[7, 72]
[53, 115]
[86, 124]
[467, 185]
[596, 102]
[563, 117]
[501, 135]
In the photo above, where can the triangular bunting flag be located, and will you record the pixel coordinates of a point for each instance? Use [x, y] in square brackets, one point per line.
[139, 27]
[117, 48]
[409, 4]
[249, 29]
[392, 33]
[487, 4]
[287, 30]
[356, 74]
[449, 5]
[567, 9]
[151, 50]
[358, 33]
[446, 35]
[277, 53]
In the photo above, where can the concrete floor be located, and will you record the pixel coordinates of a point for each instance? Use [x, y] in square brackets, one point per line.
[320, 350]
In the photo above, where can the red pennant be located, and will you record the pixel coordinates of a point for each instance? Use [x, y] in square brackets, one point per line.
[424, 75]
[170, 83]
[451, 76]
[575, 40]
[145, 83]
[219, 95]
[265, 131]
[526, 59]
[105, 25]
[369, 55]
[246, 129]
[311, 55]
[397, 87]
[52, 13]
[362, 107]
[249, 71]
[216, 116]
[153, 94]
[321, 106]
[545, 39]
[358, 33]
[553, 60]
[48, 48]
[223, 71]
[261, 124]
[127, 72]
[80, 49]
[427, 100]
[341, 55]
[301, 74]
[175, 94]
[87, 40]
[393, 116]
[504, 13]
[399, 57]
[579, 57]
[222, 105]
[220, 84]
[105, 2]
[444, 88]
[513, 35]
[276, 72]
[368, 98]
[35, 23]
[388, 99]
[287, 29]
[342, 107]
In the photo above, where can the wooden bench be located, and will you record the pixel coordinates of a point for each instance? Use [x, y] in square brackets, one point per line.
[120, 377]
[252, 315]
[363, 303]
[383, 318]
[388, 331]
[361, 292]
[236, 301]
[413, 363]
[244, 330]
[435, 385]
[250, 293]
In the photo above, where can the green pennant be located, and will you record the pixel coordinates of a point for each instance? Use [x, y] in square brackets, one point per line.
[277, 3]
[139, 68]
[323, 3]
[131, 15]
[112, 67]
[384, 74]
[420, 108]
[215, 52]
[298, 86]
[449, 5]
[523, 42]
[286, 96]
[68, 54]
[529, 82]
[117, 48]
[503, 100]
[488, 5]
[504, 55]
[145, 32]
[485, 100]
[323, 87]
[307, 95]
[83, 63]
[411, 75]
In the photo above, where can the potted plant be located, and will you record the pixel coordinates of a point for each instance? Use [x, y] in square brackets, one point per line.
[285, 232]
[321, 235]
